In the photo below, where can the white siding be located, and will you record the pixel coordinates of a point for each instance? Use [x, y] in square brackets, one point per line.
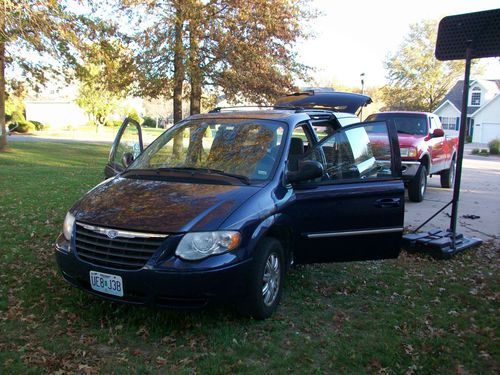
[489, 115]
[56, 114]
[447, 110]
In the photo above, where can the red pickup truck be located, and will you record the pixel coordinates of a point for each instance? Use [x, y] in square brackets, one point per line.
[425, 150]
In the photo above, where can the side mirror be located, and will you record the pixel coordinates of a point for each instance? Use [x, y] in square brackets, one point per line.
[127, 159]
[438, 133]
[308, 170]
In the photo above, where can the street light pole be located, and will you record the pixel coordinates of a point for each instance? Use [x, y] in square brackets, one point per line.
[362, 76]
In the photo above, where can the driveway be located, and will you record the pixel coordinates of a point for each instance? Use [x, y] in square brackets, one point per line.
[479, 195]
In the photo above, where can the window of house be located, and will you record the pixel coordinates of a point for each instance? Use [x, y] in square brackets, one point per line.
[475, 98]
[449, 123]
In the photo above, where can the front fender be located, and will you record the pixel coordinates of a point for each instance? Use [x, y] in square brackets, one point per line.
[278, 226]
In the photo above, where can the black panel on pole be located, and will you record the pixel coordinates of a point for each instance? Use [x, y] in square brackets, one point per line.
[479, 31]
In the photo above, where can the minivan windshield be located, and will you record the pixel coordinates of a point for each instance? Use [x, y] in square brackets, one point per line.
[405, 123]
[244, 148]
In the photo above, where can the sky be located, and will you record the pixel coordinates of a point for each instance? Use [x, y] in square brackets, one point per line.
[354, 37]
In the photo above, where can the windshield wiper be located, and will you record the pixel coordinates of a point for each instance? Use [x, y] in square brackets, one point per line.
[242, 178]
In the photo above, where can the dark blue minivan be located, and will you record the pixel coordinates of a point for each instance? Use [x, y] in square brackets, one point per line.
[219, 206]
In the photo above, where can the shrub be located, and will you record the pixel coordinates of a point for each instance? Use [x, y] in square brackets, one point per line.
[113, 123]
[17, 117]
[483, 151]
[149, 122]
[475, 151]
[134, 115]
[39, 125]
[22, 126]
[494, 146]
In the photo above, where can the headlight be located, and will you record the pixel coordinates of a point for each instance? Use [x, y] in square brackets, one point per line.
[69, 222]
[408, 152]
[199, 245]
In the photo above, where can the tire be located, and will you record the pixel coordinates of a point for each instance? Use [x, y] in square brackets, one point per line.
[418, 186]
[268, 271]
[448, 176]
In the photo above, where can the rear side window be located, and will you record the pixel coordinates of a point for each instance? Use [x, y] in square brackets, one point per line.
[414, 124]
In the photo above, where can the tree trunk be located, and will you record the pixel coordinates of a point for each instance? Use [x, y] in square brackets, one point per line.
[3, 139]
[195, 150]
[178, 78]
[195, 72]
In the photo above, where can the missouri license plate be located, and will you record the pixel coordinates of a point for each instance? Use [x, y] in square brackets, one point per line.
[106, 283]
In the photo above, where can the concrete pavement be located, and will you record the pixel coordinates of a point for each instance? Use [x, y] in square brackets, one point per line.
[479, 195]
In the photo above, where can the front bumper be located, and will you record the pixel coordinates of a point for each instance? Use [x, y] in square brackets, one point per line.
[409, 169]
[159, 287]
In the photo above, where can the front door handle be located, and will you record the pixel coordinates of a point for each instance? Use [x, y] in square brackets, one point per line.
[388, 202]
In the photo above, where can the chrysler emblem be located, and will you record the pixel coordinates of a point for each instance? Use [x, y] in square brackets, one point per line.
[111, 233]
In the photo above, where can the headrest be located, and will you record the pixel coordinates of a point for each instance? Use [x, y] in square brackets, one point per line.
[297, 146]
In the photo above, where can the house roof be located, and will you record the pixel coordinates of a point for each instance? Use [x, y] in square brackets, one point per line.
[443, 103]
[454, 96]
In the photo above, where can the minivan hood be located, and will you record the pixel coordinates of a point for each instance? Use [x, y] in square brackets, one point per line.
[160, 206]
[333, 101]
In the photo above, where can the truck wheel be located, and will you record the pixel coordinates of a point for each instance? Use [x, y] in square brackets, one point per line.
[448, 176]
[418, 186]
[266, 282]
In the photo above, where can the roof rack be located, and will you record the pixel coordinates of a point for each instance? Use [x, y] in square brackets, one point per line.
[277, 107]
[316, 111]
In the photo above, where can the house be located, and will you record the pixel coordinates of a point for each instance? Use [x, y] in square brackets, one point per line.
[56, 112]
[55, 106]
[483, 110]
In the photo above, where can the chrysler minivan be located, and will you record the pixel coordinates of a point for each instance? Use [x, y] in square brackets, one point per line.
[219, 206]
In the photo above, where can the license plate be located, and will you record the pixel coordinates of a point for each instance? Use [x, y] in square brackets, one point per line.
[106, 283]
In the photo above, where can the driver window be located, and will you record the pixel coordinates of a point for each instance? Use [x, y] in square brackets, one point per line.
[129, 144]
[358, 153]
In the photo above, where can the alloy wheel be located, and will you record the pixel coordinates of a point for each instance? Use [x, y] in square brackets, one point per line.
[271, 279]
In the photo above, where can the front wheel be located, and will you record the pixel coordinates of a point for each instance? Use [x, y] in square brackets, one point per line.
[266, 282]
[448, 176]
[418, 186]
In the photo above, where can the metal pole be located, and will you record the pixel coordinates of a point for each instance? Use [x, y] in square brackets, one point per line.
[362, 75]
[461, 142]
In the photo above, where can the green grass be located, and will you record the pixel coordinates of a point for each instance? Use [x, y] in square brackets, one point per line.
[413, 315]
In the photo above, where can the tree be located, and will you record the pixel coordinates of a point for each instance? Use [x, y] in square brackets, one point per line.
[105, 79]
[40, 38]
[252, 53]
[240, 47]
[15, 94]
[417, 80]
[95, 99]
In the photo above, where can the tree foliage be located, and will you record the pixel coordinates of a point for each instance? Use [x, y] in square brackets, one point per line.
[94, 98]
[42, 38]
[240, 47]
[105, 79]
[243, 48]
[417, 80]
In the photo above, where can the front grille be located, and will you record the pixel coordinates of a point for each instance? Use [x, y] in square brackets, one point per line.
[128, 250]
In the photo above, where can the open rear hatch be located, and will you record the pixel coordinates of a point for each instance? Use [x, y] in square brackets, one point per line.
[331, 100]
